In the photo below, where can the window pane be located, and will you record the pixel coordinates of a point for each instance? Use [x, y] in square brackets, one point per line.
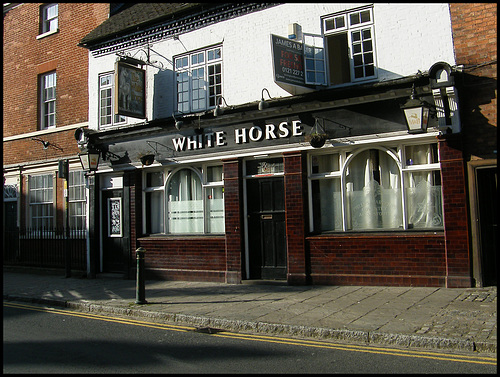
[215, 208]
[327, 205]
[155, 206]
[373, 192]
[214, 174]
[424, 199]
[421, 154]
[325, 163]
[365, 16]
[185, 203]
[154, 179]
[339, 22]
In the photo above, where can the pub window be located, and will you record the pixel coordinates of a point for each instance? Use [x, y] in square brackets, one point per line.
[199, 79]
[185, 201]
[350, 46]
[77, 200]
[376, 189]
[41, 199]
[107, 116]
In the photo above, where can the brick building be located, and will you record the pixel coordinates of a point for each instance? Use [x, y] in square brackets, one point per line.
[45, 99]
[267, 141]
[474, 28]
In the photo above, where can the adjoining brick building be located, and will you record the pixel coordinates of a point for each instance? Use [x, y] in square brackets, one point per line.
[45, 99]
[318, 182]
[474, 28]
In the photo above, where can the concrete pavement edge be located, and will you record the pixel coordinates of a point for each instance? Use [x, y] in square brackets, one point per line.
[345, 335]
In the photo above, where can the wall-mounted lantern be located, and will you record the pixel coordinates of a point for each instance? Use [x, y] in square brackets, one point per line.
[89, 158]
[263, 104]
[219, 110]
[416, 114]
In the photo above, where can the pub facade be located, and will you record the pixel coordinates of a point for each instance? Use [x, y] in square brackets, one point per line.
[309, 143]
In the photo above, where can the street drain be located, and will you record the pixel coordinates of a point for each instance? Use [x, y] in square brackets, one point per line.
[208, 330]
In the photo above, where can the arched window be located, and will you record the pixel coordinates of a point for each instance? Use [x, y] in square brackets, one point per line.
[382, 188]
[184, 202]
[373, 191]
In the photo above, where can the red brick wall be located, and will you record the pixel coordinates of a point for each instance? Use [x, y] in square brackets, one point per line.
[25, 57]
[474, 28]
[185, 258]
[295, 206]
[378, 259]
[233, 208]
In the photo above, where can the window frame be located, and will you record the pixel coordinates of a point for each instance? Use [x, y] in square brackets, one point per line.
[34, 217]
[398, 153]
[348, 29]
[202, 172]
[115, 118]
[49, 24]
[77, 200]
[46, 115]
[186, 88]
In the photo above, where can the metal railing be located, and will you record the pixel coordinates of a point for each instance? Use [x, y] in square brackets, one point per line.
[45, 248]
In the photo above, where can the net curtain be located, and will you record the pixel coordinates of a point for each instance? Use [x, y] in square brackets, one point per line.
[185, 203]
[373, 191]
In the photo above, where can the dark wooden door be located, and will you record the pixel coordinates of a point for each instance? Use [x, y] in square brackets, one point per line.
[266, 228]
[487, 191]
[113, 231]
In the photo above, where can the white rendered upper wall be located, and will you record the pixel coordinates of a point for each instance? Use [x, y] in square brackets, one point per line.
[408, 38]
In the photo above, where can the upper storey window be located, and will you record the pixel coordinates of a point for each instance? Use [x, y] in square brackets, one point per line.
[107, 116]
[48, 100]
[199, 79]
[350, 46]
[49, 16]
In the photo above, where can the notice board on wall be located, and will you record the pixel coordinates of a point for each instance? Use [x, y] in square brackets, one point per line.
[288, 61]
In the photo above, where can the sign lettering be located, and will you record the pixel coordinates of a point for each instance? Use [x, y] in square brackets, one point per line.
[243, 135]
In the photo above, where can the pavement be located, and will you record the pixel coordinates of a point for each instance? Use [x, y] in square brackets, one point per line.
[457, 319]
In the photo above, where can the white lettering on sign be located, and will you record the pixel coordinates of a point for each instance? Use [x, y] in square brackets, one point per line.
[241, 136]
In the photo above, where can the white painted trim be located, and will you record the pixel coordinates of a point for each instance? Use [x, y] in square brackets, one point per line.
[44, 132]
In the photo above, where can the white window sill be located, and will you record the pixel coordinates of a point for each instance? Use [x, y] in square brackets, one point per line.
[47, 34]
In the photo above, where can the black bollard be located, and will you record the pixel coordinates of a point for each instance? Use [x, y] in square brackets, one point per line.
[140, 294]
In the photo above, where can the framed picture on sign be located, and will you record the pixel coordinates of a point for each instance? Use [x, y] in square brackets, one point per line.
[130, 90]
[114, 217]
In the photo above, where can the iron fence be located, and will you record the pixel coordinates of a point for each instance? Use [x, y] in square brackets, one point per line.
[45, 248]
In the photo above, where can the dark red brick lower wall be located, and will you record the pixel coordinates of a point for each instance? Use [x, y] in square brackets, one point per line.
[378, 259]
[185, 258]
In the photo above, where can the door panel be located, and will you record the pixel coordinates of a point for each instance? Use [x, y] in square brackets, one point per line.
[113, 240]
[266, 228]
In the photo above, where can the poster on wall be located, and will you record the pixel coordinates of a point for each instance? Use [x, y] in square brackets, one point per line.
[130, 90]
[288, 61]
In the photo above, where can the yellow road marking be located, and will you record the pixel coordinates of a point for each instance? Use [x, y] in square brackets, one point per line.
[100, 317]
[269, 339]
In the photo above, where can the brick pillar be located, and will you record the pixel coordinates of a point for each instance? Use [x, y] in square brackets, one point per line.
[295, 210]
[455, 213]
[233, 209]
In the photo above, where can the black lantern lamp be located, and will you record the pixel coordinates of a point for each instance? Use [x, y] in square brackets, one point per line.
[89, 159]
[416, 114]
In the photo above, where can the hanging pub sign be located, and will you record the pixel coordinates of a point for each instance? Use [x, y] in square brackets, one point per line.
[130, 90]
[288, 61]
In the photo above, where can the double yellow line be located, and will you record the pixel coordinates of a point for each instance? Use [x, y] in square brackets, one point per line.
[269, 339]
